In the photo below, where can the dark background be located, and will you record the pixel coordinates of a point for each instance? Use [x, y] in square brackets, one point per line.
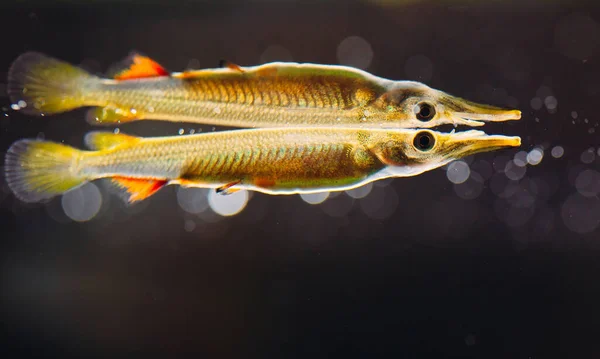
[440, 277]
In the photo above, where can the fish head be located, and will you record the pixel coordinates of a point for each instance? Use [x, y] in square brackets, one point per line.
[415, 105]
[411, 152]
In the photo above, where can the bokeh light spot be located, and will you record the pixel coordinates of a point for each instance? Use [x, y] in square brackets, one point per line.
[458, 172]
[577, 36]
[535, 156]
[557, 151]
[588, 156]
[276, 53]
[82, 203]
[192, 200]
[338, 206]
[360, 192]
[520, 159]
[580, 213]
[355, 51]
[513, 171]
[314, 198]
[587, 183]
[189, 225]
[419, 68]
[470, 188]
[381, 203]
[228, 205]
[551, 102]
[536, 103]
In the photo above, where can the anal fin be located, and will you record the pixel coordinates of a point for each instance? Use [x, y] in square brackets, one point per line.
[228, 188]
[111, 115]
[137, 189]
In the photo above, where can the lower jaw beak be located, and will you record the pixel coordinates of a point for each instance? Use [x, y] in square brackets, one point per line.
[492, 143]
[475, 119]
[473, 141]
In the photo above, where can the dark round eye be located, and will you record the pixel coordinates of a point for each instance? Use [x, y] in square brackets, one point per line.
[424, 111]
[424, 141]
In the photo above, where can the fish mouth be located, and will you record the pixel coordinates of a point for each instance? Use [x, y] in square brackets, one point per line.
[467, 113]
[473, 141]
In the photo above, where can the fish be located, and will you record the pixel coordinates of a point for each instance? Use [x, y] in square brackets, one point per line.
[277, 94]
[274, 161]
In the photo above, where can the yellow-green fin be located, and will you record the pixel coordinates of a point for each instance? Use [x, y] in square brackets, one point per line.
[41, 85]
[99, 140]
[110, 115]
[39, 170]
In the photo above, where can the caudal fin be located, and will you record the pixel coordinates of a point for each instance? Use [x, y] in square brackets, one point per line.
[39, 170]
[42, 85]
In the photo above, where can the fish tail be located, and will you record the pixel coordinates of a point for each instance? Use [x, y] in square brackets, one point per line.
[41, 85]
[39, 170]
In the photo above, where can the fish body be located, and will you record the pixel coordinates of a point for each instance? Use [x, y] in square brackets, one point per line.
[270, 95]
[273, 161]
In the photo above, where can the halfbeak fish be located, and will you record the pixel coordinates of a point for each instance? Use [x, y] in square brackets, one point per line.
[273, 161]
[271, 95]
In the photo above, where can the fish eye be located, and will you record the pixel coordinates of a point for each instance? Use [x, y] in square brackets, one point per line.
[424, 111]
[424, 141]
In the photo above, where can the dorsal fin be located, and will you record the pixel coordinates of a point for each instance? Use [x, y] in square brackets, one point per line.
[137, 66]
[99, 140]
[230, 65]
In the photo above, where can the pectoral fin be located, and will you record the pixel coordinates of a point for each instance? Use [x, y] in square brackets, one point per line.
[228, 188]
